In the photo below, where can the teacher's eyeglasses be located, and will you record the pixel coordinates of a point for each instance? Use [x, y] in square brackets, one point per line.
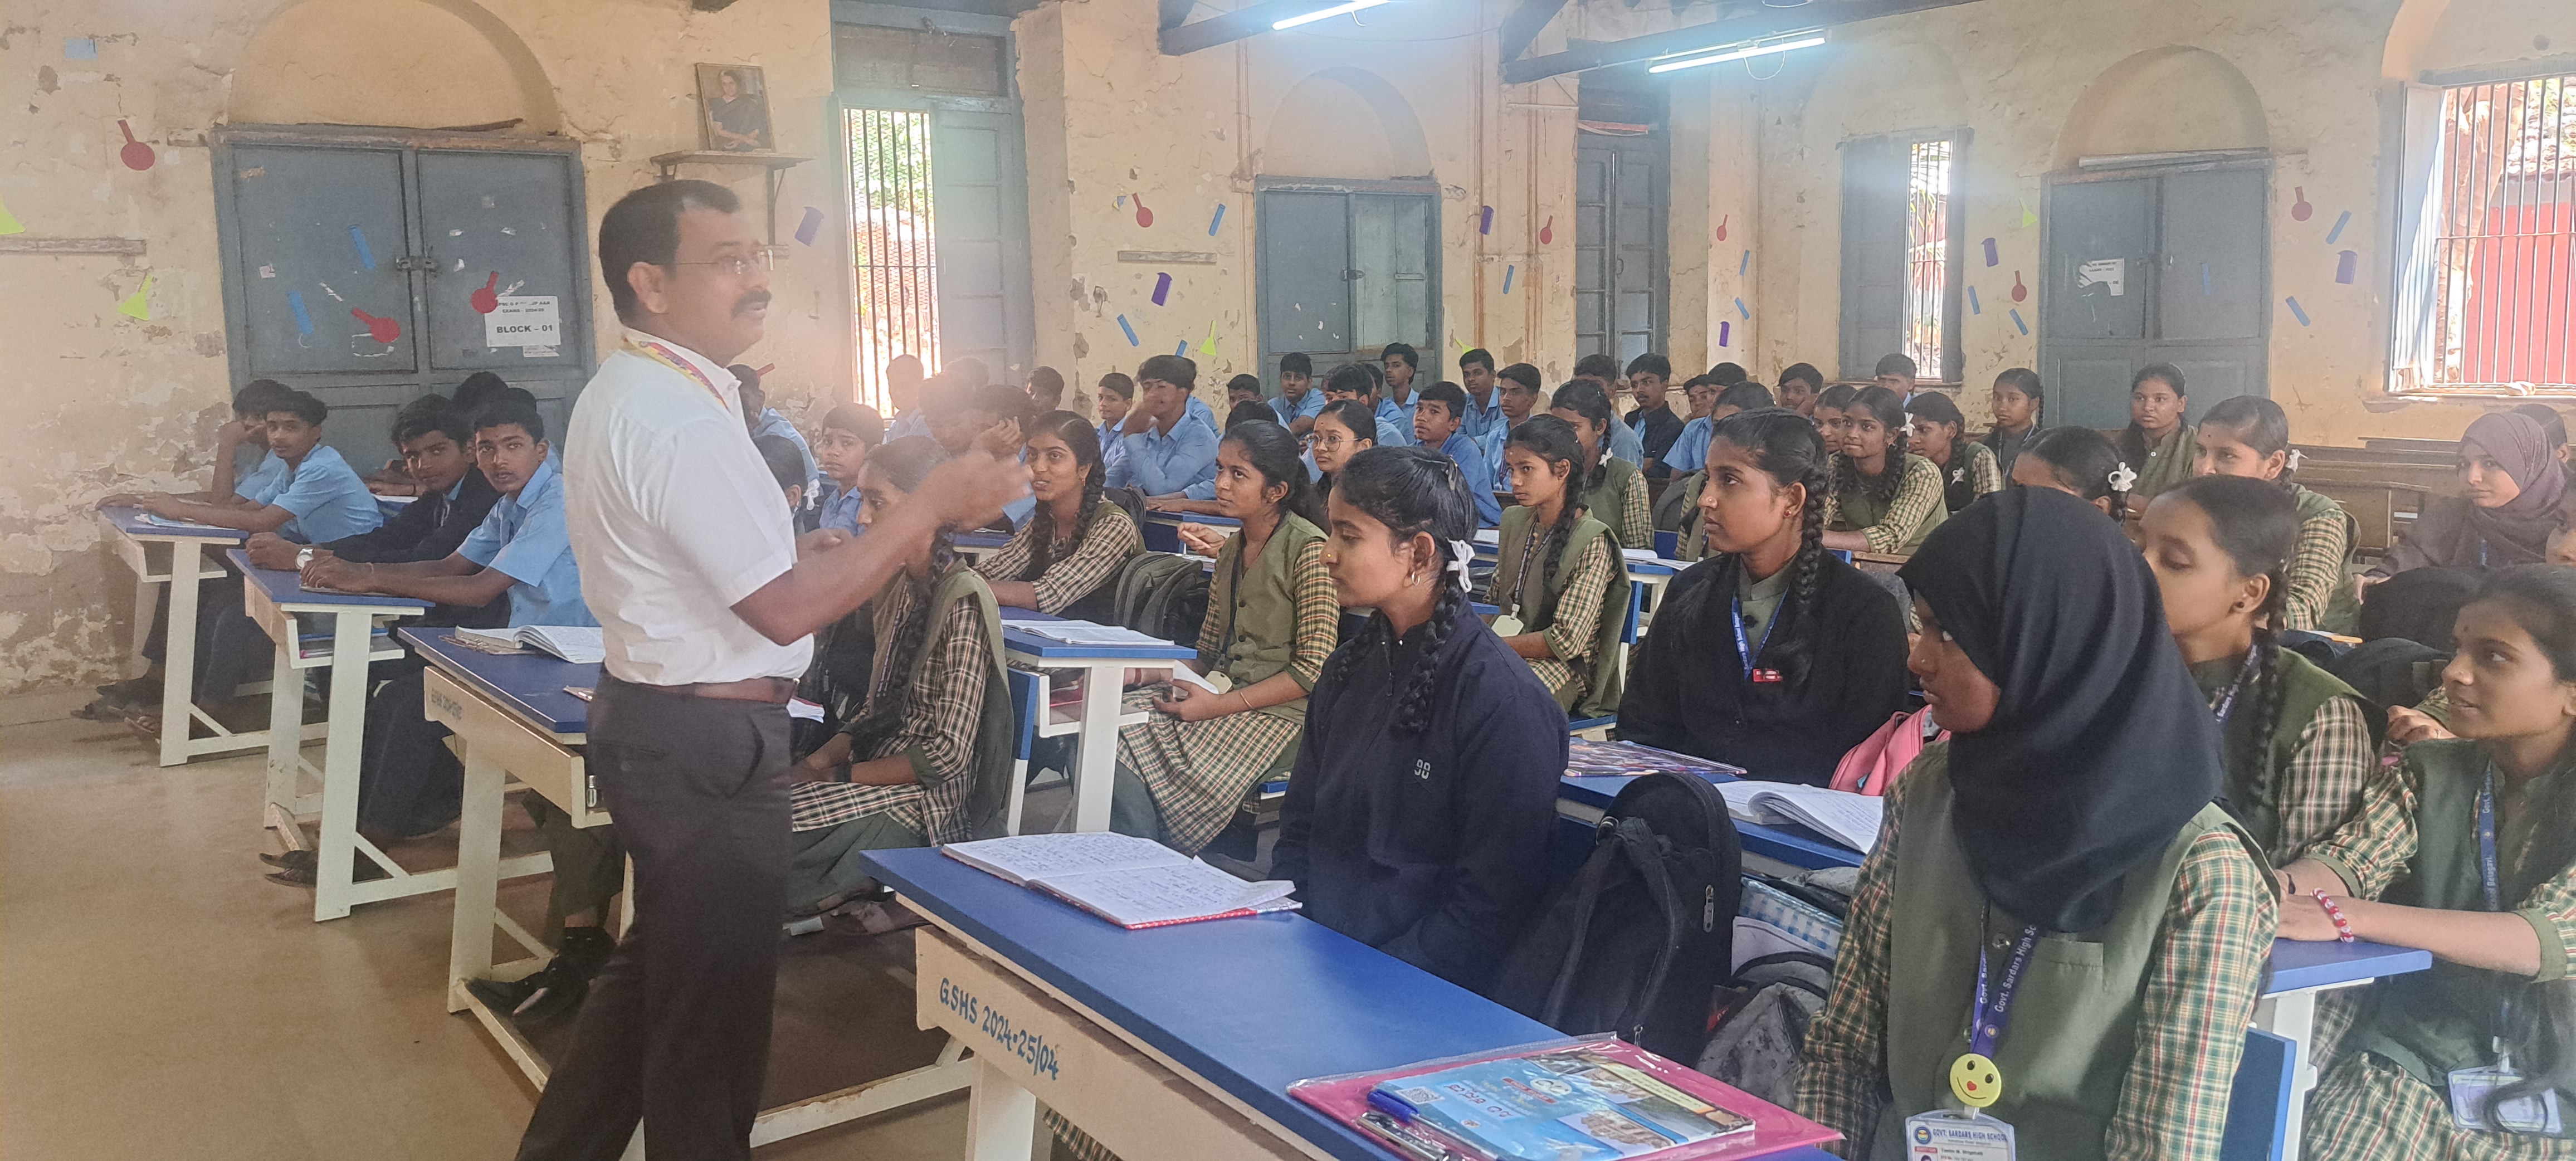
[737, 265]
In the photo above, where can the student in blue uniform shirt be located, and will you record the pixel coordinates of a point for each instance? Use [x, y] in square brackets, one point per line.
[1164, 453]
[904, 380]
[1401, 364]
[789, 471]
[1625, 442]
[762, 419]
[1299, 402]
[841, 450]
[1359, 381]
[1517, 392]
[1437, 423]
[1484, 394]
[1689, 452]
[1394, 416]
[1424, 791]
[317, 497]
[1115, 398]
[1200, 498]
[241, 446]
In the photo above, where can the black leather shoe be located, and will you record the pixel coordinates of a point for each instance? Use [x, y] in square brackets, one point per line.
[557, 988]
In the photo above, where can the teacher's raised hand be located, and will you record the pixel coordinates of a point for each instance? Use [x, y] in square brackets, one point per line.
[970, 490]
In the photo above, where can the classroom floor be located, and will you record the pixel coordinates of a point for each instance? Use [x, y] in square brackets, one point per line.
[159, 997]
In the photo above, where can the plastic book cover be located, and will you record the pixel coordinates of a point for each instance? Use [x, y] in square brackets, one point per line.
[1586, 758]
[1596, 1098]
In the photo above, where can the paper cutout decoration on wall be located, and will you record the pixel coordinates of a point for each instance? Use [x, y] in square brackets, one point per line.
[80, 48]
[139, 304]
[1162, 288]
[1485, 221]
[1743, 310]
[1124, 325]
[1725, 331]
[486, 299]
[2346, 265]
[811, 227]
[1507, 278]
[1991, 258]
[1182, 351]
[2341, 220]
[1120, 201]
[1216, 220]
[2296, 309]
[1721, 225]
[303, 321]
[381, 328]
[1973, 307]
[1144, 217]
[1547, 231]
[2020, 293]
[1207, 346]
[2300, 210]
[2028, 219]
[358, 238]
[9, 223]
[135, 154]
[2019, 325]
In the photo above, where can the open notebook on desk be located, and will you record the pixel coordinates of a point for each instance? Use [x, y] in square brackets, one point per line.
[1132, 882]
[1840, 815]
[579, 644]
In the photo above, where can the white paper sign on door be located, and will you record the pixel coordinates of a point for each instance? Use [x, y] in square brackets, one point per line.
[2105, 272]
[523, 320]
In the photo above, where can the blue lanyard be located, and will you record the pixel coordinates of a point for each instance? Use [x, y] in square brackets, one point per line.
[1993, 1014]
[1744, 653]
[2227, 700]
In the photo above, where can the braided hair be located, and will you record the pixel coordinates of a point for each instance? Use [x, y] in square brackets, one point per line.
[1553, 441]
[1413, 491]
[2257, 525]
[904, 464]
[1786, 447]
[1360, 420]
[1274, 453]
[2082, 461]
[1077, 434]
[2259, 424]
[1586, 398]
[1888, 408]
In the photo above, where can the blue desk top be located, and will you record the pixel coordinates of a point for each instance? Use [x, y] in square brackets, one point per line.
[285, 587]
[981, 540]
[1015, 613]
[1788, 843]
[2297, 964]
[529, 684]
[1028, 644]
[1177, 519]
[1319, 1004]
[133, 522]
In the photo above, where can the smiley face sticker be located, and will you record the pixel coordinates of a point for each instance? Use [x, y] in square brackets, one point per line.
[1975, 1081]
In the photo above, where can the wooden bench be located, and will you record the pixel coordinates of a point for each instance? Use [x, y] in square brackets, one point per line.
[2376, 506]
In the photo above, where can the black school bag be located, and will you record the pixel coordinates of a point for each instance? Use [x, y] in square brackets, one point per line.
[1162, 594]
[1638, 940]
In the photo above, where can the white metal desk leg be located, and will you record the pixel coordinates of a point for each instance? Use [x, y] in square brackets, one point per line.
[478, 874]
[285, 735]
[349, 641]
[1001, 1117]
[1096, 768]
[2293, 1015]
[143, 603]
[179, 653]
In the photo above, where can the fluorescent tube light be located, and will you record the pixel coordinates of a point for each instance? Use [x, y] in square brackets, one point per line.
[1323, 14]
[1738, 53]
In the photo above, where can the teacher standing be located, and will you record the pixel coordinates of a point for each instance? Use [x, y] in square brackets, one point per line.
[706, 599]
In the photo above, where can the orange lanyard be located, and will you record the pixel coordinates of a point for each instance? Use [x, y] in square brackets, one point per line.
[666, 357]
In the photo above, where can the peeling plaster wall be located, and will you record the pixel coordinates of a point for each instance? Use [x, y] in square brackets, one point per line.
[2016, 72]
[99, 402]
[1416, 94]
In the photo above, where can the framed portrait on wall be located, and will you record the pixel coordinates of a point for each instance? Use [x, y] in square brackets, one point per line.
[733, 109]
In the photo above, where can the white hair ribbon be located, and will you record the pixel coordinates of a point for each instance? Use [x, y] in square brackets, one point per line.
[2122, 477]
[1460, 552]
[2294, 459]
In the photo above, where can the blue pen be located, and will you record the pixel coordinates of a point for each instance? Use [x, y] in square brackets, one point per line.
[1394, 1106]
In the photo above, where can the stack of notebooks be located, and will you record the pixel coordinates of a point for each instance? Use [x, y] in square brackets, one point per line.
[1133, 882]
[579, 644]
[1586, 758]
[1840, 815]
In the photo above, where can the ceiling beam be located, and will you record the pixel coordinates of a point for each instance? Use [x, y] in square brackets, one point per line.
[1756, 25]
[1226, 28]
[1174, 13]
[1524, 24]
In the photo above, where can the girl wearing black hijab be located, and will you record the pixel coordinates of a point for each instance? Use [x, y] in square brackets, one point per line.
[2063, 848]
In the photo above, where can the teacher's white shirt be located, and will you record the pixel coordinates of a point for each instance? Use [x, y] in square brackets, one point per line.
[673, 518]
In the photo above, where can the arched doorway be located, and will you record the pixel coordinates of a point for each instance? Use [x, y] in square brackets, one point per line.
[1348, 223]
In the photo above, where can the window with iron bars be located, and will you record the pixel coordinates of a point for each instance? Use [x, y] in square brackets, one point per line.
[894, 263]
[2503, 245]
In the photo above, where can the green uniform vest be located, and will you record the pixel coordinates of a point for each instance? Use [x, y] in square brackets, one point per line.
[996, 726]
[1256, 621]
[1604, 500]
[1508, 585]
[2168, 464]
[2074, 1019]
[2343, 609]
[2255, 766]
[1855, 508]
[2432, 1022]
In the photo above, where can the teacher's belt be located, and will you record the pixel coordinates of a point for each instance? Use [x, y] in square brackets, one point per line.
[774, 690]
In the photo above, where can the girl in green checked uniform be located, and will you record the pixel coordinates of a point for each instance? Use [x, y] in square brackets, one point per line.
[2157, 442]
[2249, 435]
[928, 758]
[1881, 498]
[1610, 489]
[1559, 579]
[2298, 742]
[2468, 847]
[1271, 623]
[2065, 838]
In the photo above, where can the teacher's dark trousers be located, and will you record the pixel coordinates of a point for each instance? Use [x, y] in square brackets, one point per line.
[676, 1028]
